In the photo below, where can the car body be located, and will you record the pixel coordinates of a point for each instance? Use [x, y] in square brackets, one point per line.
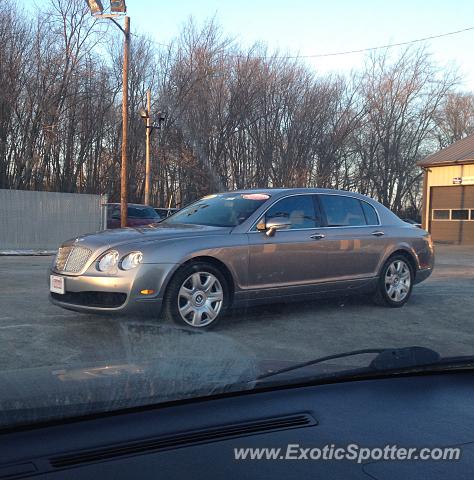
[288, 244]
[137, 215]
[165, 212]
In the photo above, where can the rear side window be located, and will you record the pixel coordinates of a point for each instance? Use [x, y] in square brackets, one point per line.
[299, 210]
[342, 211]
[370, 213]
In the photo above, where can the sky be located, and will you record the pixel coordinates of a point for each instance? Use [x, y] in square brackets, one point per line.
[309, 27]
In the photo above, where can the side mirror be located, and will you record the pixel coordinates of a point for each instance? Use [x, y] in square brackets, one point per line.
[272, 225]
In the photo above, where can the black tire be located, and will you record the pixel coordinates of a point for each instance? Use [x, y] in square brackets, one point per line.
[172, 299]
[382, 295]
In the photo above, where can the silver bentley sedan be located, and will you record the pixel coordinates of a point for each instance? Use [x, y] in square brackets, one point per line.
[244, 248]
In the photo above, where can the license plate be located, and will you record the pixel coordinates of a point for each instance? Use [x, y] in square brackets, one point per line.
[56, 284]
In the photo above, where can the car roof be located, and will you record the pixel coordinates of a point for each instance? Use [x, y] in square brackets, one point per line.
[273, 192]
[278, 191]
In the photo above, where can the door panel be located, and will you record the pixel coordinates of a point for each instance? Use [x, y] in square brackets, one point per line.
[352, 253]
[292, 258]
[353, 250]
[288, 258]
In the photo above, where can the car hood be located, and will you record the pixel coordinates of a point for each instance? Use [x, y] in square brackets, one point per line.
[161, 231]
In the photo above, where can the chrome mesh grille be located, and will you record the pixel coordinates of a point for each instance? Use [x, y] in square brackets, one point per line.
[77, 259]
[72, 259]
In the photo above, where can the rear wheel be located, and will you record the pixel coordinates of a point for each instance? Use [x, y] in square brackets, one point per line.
[395, 282]
[197, 296]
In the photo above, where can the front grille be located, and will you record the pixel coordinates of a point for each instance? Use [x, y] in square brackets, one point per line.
[77, 259]
[72, 259]
[92, 299]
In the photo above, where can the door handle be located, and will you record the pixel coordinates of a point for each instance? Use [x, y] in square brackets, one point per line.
[378, 233]
[317, 236]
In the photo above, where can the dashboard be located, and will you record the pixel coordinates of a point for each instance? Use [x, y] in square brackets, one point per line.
[196, 439]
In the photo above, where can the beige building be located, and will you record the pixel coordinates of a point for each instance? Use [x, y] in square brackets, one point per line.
[448, 193]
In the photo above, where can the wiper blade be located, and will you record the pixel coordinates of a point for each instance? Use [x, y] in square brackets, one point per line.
[409, 357]
[386, 359]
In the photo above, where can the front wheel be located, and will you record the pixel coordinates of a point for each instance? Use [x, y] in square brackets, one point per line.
[197, 296]
[395, 282]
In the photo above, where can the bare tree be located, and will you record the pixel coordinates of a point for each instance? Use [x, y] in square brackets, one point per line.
[455, 118]
[235, 117]
[401, 99]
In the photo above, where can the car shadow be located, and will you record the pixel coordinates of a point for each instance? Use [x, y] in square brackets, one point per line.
[282, 308]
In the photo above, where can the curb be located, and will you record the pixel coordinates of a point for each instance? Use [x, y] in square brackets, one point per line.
[12, 253]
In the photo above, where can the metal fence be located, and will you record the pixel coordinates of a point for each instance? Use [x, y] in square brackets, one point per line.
[43, 220]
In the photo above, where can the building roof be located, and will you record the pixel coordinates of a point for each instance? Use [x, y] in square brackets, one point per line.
[461, 151]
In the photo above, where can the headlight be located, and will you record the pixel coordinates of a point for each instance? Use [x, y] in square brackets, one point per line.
[108, 262]
[131, 260]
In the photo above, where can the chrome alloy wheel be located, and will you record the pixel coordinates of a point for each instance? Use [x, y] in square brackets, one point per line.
[200, 299]
[397, 280]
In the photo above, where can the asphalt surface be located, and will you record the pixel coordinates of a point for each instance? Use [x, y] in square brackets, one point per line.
[35, 333]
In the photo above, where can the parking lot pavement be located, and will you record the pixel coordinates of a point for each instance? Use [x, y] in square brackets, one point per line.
[35, 333]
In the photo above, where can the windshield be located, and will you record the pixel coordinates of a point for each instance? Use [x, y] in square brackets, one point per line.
[229, 199]
[221, 210]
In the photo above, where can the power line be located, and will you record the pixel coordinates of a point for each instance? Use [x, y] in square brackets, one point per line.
[390, 45]
[151, 40]
[346, 52]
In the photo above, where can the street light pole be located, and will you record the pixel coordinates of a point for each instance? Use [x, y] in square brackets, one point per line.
[118, 9]
[123, 173]
[147, 159]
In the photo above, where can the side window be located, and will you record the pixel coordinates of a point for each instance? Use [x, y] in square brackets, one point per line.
[342, 211]
[299, 210]
[370, 213]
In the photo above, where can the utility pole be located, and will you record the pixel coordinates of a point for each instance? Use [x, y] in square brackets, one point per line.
[145, 114]
[124, 169]
[148, 137]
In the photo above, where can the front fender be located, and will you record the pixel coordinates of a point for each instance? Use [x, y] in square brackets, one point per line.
[231, 250]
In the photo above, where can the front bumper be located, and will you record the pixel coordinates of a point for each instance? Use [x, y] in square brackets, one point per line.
[422, 274]
[120, 293]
